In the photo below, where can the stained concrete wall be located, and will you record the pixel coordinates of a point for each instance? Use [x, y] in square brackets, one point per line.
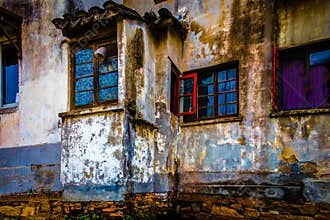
[286, 152]
[30, 169]
[42, 76]
[264, 148]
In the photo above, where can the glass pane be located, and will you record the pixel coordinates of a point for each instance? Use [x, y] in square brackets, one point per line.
[319, 57]
[84, 98]
[206, 90]
[222, 76]
[84, 84]
[206, 101]
[221, 109]
[231, 97]
[10, 84]
[109, 79]
[231, 108]
[231, 86]
[221, 99]
[186, 86]
[84, 56]
[84, 69]
[10, 75]
[205, 112]
[231, 74]
[222, 87]
[108, 94]
[293, 80]
[186, 104]
[110, 65]
[205, 78]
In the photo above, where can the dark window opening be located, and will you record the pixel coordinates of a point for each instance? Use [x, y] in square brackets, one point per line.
[305, 77]
[216, 93]
[175, 73]
[10, 52]
[9, 75]
[96, 80]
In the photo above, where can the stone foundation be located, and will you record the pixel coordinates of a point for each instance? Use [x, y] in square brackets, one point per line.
[50, 206]
[160, 206]
[202, 206]
[40, 206]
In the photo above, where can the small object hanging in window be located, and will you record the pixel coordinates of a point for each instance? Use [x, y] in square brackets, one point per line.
[100, 53]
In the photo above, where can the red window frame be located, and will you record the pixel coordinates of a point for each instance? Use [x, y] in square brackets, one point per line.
[193, 95]
[275, 80]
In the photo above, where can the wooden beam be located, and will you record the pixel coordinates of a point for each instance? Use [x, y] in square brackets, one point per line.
[10, 40]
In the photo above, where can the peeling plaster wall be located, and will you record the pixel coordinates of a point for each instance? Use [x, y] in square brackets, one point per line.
[303, 21]
[93, 157]
[260, 146]
[42, 76]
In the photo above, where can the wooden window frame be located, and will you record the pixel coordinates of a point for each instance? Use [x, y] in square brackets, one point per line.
[277, 56]
[96, 102]
[194, 94]
[215, 69]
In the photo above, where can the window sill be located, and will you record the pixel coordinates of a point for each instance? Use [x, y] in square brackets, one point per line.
[90, 111]
[9, 109]
[213, 121]
[299, 112]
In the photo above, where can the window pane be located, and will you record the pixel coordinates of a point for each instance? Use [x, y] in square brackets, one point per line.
[206, 90]
[222, 76]
[108, 94]
[231, 74]
[84, 98]
[221, 109]
[110, 65]
[206, 101]
[318, 88]
[319, 57]
[221, 99]
[84, 69]
[231, 86]
[109, 79]
[231, 108]
[205, 112]
[222, 87]
[84, 56]
[231, 97]
[205, 78]
[10, 84]
[84, 84]
[293, 80]
[186, 86]
[10, 74]
[186, 104]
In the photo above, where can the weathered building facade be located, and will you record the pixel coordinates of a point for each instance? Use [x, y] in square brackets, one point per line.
[189, 109]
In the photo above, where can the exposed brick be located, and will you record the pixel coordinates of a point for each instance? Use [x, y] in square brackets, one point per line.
[10, 211]
[202, 216]
[224, 211]
[28, 211]
[322, 216]
[206, 206]
[185, 209]
[251, 214]
[309, 209]
[236, 206]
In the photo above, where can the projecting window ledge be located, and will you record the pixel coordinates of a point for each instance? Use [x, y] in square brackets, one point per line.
[9, 108]
[289, 113]
[228, 119]
[92, 110]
